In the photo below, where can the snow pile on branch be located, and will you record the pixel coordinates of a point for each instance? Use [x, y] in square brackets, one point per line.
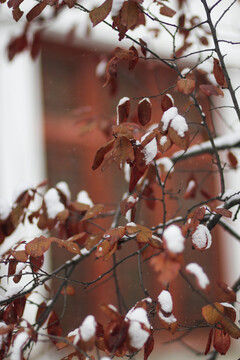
[165, 308]
[173, 239]
[18, 344]
[201, 277]
[53, 204]
[202, 238]
[83, 198]
[138, 320]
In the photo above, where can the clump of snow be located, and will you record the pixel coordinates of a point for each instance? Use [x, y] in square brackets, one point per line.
[228, 305]
[167, 319]
[101, 68]
[168, 116]
[185, 71]
[131, 224]
[174, 239]
[83, 198]
[132, 199]
[179, 125]
[202, 238]
[5, 209]
[84, 251]
[191, 185]
[53, 203]
[145, 99]
[166, 163]
[170, 96]
[150, 150]
[112, 307]
[88, 328]
[163, 140]
[138, 336]
[64, 188]
[127, 172]
[18, 344]
[13, 291]
[197, 271]
[116, 7]
[165, 301]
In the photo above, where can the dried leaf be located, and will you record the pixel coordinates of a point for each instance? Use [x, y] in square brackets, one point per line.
[186, 86]
[122, 151]
[148, 346]
[232, 160]
[53, 326]
[213, 314]
[225, 293]
[100, 13]
[223, 212]
[36, 10]
[114, 234]
[166, 267]
[38, 246]
[221, 341]
[166, 102]
[93, 211]
[17, 13]
[133, 62]
[36, 262]
[19, 305]
[211, 90]
[181, 141]
[123, 111]
[19, 255]
[218, 72]
[167, 11]
[209, 342]
[102, 151]
[144, 111]
[129, 14]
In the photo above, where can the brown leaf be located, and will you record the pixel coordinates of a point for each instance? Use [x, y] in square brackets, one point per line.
[100, 13]
[38, 246]
[17, 13]
[114, 234]
[36, 262]
[211, 90]
[70, 3]
[93, 211]
[143, 47]
[164, 142]
[148, 346]
[209, 342]
[36, 10]
[41, 308]
[186, 86]
[129, 14]
[181, 141]
[167, 11]
[133, 62]
[221, 341]
[225, 293]
[123, 110]
[102, 151]
[232, 160]
[213, 314]
[68, 290]
[128, 203]
[166, 267]
[166, 102]
[19, 255]
[218, 72]
[17, 45]
[19, 305]
[54, 327]
[144, 111]
[223, 212]
[122, 151]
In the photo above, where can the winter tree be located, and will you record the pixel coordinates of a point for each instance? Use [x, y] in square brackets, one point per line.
[177, 150]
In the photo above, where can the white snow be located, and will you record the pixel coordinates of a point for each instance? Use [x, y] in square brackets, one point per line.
[168, 319]
[19, 342]
[3, 337]
[174, 239]
[228, 305]
[163, 140]
[84, 251]
[145, 99]
[202, 237]
[132, 199]
[101, 68]
[166, 163]
[88, 328]
[128, 215]
[165, 301]
[116, 7]
[127, 172]
[22, 187]
[170, 96]
[53, 203]
[83, 198]
[5, 209]
[112, 307]
[190, 185]
[138, 336]
[168, 116]
[196, 270]
[131, 224]
[64, 188]
[179, 125]
[150, 151]
[13, 291]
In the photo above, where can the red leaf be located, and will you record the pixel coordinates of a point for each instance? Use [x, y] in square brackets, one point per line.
[17, 45]
[123, 110]
[102, 151]
[181, 141]
[143, 47]
[93, 211]
[133, 62]
[209, 342]
[100, 13]
[218, 72]
[36, 262]
[186, 86]
[148, 346]
[233, 160]
[130, 14]
[14, 3]
[36, 44]
[70, 3]
[54, 327]
[225, 293]
[19, 305]
[17, 13]
[211, 90]
[221, 341]
[36, 10]
[223, 212]
[166, 102]
[10, 315]
[114, 234]
[144, 111]
[41, 308]
[38, 246]
[167, 11]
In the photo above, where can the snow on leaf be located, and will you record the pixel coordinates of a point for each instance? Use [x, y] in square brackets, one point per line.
[116, 7]
[88, 328]
[114, 234]
[83, 198]
[201, 277]
[139, 326]
[123, 109]
[168, 115]
[201, 238]
[64, 188]
[165, 301]
[5, 209]
[19, 341]
[191, 189]
[178, 132]
[173, 239]
[100, 13]
[150, 151]
[53, 203]
[167, 102]
[144, 111]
